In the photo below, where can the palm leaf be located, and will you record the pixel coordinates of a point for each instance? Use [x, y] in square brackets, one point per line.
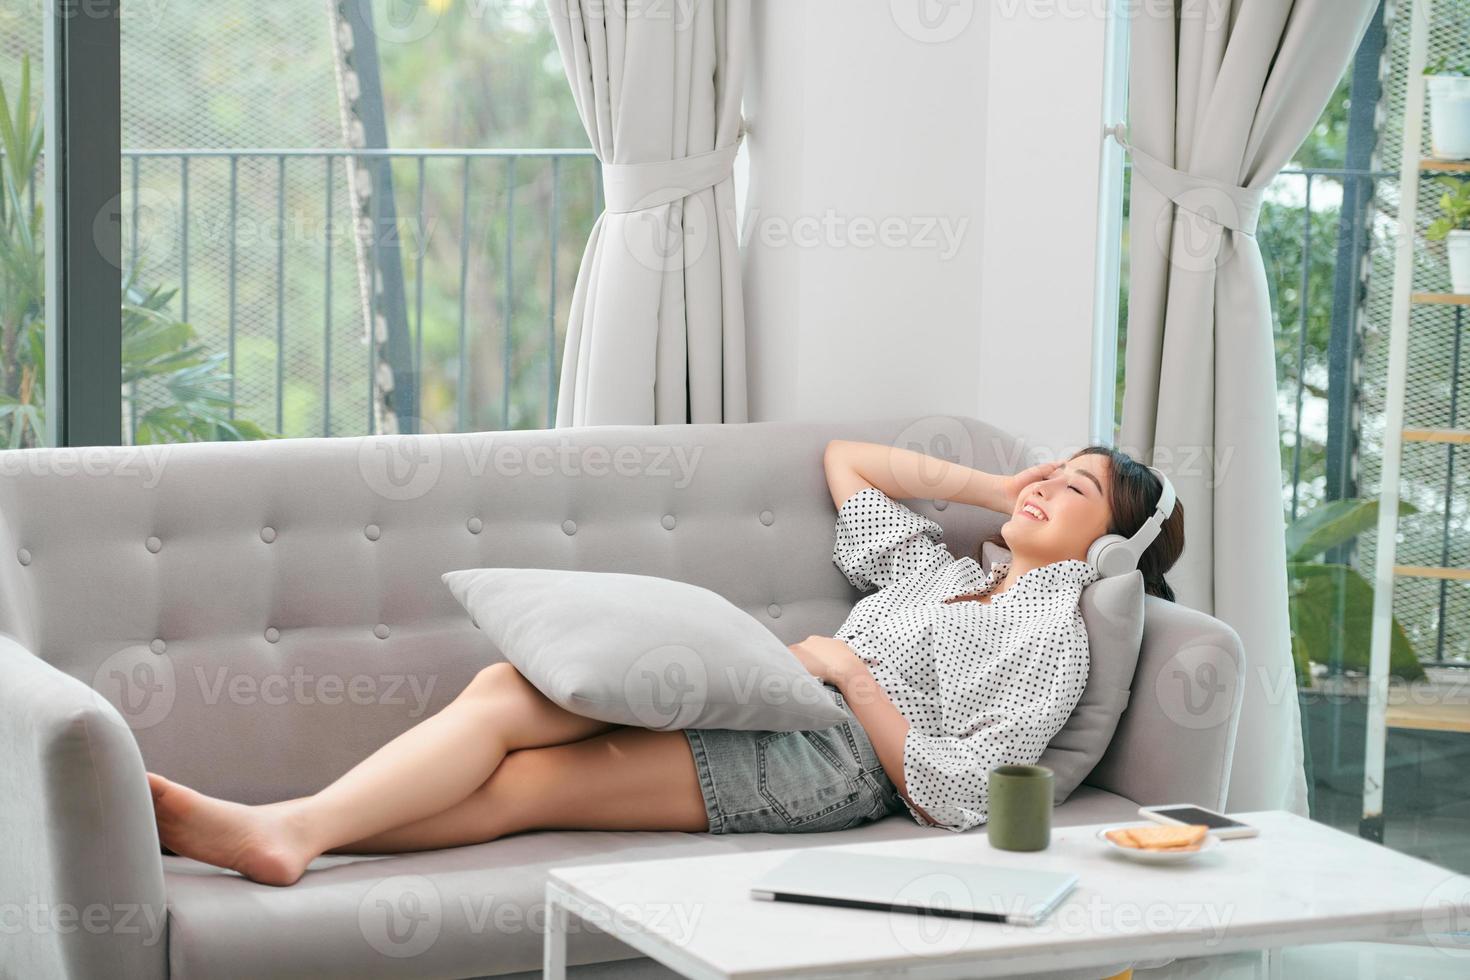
[1333, 523]
[9, 140]
[1316, 594]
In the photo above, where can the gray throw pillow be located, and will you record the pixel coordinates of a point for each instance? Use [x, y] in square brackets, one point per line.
[1112, 610]
[643, 650]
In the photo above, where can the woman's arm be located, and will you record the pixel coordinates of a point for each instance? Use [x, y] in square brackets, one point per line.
[952, 772]
[886, 728]
[829, 659]
[903, 473]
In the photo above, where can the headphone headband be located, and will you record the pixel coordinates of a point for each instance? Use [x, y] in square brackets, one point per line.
[1145, 535]
[1165, 505]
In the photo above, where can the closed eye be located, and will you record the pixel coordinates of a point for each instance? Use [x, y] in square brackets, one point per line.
[1073, 488]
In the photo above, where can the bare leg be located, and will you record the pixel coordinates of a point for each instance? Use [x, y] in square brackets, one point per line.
[624, 779]
[423, 771]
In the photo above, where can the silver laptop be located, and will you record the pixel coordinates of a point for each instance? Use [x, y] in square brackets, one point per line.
[956, 889]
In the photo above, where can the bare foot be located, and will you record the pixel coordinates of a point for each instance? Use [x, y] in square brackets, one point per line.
[263, 843]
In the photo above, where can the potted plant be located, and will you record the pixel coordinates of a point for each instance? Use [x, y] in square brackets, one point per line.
[1454, 229]
[1331, 604]
[1449, 108]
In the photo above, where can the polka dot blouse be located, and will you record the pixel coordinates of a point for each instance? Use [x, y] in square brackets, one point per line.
[981, 684]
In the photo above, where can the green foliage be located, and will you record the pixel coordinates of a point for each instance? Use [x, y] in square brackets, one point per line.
[1455, 203]
[1333, 603]
[1446, 65]
[22, 273]
[488, 74]
[455, 73]
[162, 353]
[1330, 524]
[1326, 145]
[185, 388]
[498, 64]
[1283, 238]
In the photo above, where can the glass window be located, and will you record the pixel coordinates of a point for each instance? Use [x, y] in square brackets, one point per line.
[1328, 237]
[331, 225]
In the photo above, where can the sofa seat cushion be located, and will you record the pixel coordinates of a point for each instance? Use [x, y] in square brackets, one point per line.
[462, 912]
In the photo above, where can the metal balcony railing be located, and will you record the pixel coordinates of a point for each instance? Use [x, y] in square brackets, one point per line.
[519, 217]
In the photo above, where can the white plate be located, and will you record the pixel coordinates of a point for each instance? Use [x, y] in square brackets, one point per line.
[1157, 857]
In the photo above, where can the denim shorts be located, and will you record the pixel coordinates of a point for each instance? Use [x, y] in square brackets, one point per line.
[792, 782]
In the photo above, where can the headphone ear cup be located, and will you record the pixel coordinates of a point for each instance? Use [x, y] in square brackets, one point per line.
[1109, 555]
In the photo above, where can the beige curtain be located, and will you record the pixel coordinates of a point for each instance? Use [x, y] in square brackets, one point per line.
[1221, 94]
[656, 330]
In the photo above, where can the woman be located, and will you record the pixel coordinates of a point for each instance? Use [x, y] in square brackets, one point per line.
[946, 671]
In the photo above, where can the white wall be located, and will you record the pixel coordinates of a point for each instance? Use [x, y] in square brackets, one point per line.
[920, 220]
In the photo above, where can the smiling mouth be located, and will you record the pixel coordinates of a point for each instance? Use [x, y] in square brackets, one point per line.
[1032, 512]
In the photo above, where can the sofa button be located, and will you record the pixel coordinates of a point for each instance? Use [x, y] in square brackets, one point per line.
[23, 556]
[475, 525]
[272, 634]
[668, 522]
[767, 518]
[381, 631]
[158, 646]
[154, 545]
[373, 532]
[267, 534]
[775, 610]
[941, 504]
[569, 526]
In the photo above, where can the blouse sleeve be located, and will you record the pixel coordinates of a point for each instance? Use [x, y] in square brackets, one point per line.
[949, 776]
[880, 541]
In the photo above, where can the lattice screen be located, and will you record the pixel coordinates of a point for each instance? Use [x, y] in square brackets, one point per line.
[1435, 477]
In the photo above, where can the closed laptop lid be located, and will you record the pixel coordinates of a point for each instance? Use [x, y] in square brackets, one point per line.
[969, 889]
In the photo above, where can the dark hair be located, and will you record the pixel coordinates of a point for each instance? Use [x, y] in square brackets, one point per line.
[1133, 493]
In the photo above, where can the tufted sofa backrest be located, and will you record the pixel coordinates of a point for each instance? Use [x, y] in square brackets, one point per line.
[265, 614]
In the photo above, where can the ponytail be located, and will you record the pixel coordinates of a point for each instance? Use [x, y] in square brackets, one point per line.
[1154, 584]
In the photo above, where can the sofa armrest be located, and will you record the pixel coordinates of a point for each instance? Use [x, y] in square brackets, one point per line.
[81, 872]
[1176, 738]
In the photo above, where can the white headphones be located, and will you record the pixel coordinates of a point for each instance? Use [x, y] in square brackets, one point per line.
[1113, 554]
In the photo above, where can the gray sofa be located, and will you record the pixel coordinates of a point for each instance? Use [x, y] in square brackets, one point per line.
[252, 619]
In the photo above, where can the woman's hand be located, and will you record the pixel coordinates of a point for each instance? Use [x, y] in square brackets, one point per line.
[906, 473]
[1012, 486]
[826, 658]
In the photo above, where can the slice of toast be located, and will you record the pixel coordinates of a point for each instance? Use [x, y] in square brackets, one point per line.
[1160, 837]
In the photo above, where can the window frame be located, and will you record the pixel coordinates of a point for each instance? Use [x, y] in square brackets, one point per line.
[83, 222]
[1107, 277]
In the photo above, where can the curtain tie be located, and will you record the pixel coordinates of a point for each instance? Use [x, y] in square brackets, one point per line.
[1236, 208]
[628, 187]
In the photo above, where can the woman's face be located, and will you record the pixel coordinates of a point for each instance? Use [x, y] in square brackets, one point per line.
[1058, 518]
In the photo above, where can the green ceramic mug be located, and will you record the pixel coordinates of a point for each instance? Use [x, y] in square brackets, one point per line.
[1020, 807]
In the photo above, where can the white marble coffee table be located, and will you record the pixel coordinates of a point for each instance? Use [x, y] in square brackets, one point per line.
[1298, 883]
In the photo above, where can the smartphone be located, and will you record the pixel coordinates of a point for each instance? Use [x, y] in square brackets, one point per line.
[1184, 813]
